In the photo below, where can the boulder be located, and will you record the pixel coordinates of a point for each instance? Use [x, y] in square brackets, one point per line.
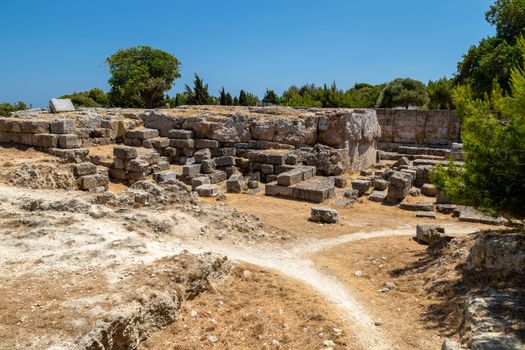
[234, 184]
[429, 190]
[362, 186]
[429, 234]
[324, 215]
[207, 190]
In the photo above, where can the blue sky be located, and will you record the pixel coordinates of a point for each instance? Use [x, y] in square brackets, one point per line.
[49, 48]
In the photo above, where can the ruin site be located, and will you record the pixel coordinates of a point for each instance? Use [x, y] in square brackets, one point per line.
[211, 227]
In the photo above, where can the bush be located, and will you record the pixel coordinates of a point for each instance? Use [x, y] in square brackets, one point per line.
[6, 108]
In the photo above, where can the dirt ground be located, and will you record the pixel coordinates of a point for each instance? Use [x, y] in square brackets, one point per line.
[255, 309]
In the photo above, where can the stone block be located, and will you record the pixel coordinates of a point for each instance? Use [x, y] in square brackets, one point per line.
[234, 184]
[417, 206]
[266, 169]
[125, 152]
[180, 134]
[198, 181]
[340, 182]
[192, 170]
[182, 143]
[279, 169]
[380, 184]
[429, 234]
[225, 152]
[5, 137]
[85, 168]
[26, 139]
[68, 141]
[62, 126]
[118, 174]
[91, 182]
[58, 105]
[229, 170]
[208, 190]
[362, 186]
[275, 190]
[429, 190]
[290, 178]
[136, 175]
[217, 176]
[425, 214]
[201, 155]
[69, 155]
[317, 189]
[142, 134]
[35, 126]
[224, 161]
[208, 166]
[137, 165]
[203, 143]
[271, 178]
[165, 176]
[324, 215]
[377, 196]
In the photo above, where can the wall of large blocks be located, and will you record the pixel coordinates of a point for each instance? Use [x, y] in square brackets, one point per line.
[417, 127]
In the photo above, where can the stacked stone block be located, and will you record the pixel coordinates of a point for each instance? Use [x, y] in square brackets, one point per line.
[129, 165]
[88, 177]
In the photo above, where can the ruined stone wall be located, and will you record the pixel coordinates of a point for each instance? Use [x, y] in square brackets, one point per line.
[417, 127]
[353, 132]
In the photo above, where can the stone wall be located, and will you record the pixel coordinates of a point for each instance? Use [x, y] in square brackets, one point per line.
[352, 132]
[417, 127]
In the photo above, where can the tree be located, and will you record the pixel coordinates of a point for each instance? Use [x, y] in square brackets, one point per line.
[493, 59]
[271, 98]
[92, 98]
[199, 95]
[363, 95]
[6, 108]
[440, 94]
[225, 98]
[140, 75]
[493, 133]
[403, 92]
[247, 99]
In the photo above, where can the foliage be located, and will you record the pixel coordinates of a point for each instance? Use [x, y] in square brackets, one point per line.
[247, 99]
[271, 98]
[6, 108]
[493, 134]
[140, 75]
[440, 94]
[494, 57]
[363, 95]
[403, 92]
[199, 95]
[225, 98]
[92, 98]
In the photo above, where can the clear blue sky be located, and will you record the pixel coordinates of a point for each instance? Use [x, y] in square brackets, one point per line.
[52, 47]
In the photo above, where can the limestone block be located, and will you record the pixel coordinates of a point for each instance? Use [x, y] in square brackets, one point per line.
[204, 143]
[180, 134]
[85, 168]
[61, 105]
[325, 215]
[68, 141]
[198, 181]
[62, 126]
[207, 190]
[125, 152]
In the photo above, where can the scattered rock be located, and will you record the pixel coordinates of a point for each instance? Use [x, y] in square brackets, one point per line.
[325, 215]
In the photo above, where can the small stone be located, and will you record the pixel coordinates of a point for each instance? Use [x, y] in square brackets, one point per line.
[247, 275]
[378, 322]
[212, 339]
[193, 313]
[358, 274]
[328, 342]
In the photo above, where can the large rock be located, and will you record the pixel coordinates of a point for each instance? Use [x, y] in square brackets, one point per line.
[58, 105]
[400, 184]
[499, 251]
[325, 215]
[429, 234]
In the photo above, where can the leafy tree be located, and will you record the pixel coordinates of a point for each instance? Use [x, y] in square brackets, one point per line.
[509, 18]
[199, 95]
[6, 108]
[92, 98]
[403, 92]
[440, 94]
[270, 97]
[493, 59]
[493, 134]
[247, 99]
[140, 75]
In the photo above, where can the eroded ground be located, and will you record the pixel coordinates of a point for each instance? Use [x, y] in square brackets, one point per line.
[72, 265]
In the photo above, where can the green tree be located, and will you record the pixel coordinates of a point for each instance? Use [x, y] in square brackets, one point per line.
[247, 99]
[403, 92]
[363, 95]
[493, 133]
[225, 98]
[270, 97]
[6, 108]
[140, 76]
[199, 95]
[440, 94]
[92, 98]
[493, 59]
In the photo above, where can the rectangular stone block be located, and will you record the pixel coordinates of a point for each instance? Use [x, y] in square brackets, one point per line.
[68, 141]
[136, 175]
[199, 181]
[275, 190]
[203, 143]
[165, 176]
[62, 126]
[208, 190]
[290, 178]
[85, 168]
[224, 161]
[26, 139]
[137, 165]
[217, 176]
[58, 105]
[192, 170]
[34, 126]
[142, 134]
[5, 137]
[180, 134]
[182, 143]
[317, 189]
[125, 152]
[118, 174]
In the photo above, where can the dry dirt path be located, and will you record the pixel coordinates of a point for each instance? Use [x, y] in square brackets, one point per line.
[290, 259]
